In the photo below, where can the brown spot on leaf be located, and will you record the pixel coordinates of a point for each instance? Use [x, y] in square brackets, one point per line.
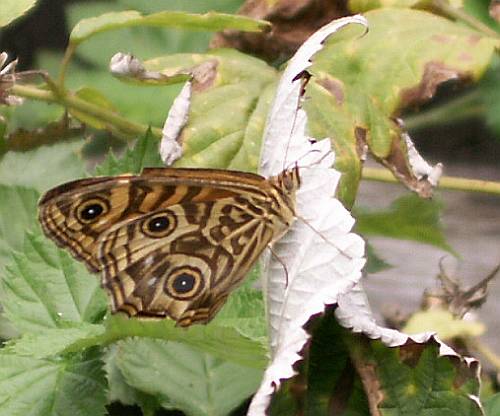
[495, 10]
[441, 38]
[397, 162]
[465, 56]
[293, 21]
[360, 134]
[204, 75]
[334, 86]
[435, 73]
[410, 353]
[473, 39]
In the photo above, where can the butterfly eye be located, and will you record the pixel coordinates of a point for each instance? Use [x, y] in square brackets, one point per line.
[90, 210]
[159, 225]
[184, 283]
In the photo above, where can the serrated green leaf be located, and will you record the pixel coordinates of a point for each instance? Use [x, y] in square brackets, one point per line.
[220, 341]
[130, 18]
[64, 386]
[408, 218]
[52, 341]
[227, 116]
[244, 310]
[43, 167]
[13, 9]
[184, 378]
[21, 202]
[360, 85]
[145, 153]
[331, 377]
[492, 405]
[44, 288]
[119, 390]
[415, 380]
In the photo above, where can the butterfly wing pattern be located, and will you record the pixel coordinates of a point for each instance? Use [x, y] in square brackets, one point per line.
[170, 242]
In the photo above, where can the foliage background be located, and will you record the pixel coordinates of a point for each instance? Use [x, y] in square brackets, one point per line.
[460, 124]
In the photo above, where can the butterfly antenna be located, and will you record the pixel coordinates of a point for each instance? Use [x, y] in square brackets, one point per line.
[312, 163]
[304, 78]
[324, 238]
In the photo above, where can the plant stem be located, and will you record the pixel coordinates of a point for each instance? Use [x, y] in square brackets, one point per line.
[467, 106]
[451, 183]
[71, 102]
[64, 64]
[460, 14]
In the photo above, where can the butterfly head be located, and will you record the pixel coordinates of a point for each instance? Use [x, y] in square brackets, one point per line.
[288, 180]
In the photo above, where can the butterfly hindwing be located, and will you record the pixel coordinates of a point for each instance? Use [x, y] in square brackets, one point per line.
[182, 261]
[170, 242]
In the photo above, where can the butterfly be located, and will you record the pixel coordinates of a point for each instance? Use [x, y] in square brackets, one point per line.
[170, 242]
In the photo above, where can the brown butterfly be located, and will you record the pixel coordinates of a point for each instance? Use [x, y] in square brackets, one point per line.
[170, 242]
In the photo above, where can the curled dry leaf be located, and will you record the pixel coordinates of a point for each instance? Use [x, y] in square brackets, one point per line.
[7, 79]
[170, 148]
[292, 22]
[128, 67]
[410, 167]
[454, 296]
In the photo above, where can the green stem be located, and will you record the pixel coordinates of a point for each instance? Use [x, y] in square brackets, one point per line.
[73, 102]
[64, 64]
[446, 182]
[460, 14]
[467, 106]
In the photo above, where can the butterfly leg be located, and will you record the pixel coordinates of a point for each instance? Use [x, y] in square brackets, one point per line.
[281, 262]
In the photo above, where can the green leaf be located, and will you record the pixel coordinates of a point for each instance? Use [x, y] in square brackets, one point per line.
[244, 311]
[45, 288]
[63, 386]
[13, 9]
[95, 97]
[360, 85]
[480, 10]
[492, 405]
[145, 153]
[332, 381]
[415, 380]
[43, 167]
[210, 21]
[490, 95]
[444, 324]
[228, 113]
[20, 202]
[184, 378]
[408, 218]
[52, 341]
[120, 390]
[223, 342]
[374, 263]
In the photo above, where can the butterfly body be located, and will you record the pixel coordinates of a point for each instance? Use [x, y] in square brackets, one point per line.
[170, 242]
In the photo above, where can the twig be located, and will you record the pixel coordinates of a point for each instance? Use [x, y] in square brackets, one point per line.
[451, 183]
[71, 101]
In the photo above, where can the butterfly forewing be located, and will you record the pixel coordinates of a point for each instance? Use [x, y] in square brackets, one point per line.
[170, 242]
